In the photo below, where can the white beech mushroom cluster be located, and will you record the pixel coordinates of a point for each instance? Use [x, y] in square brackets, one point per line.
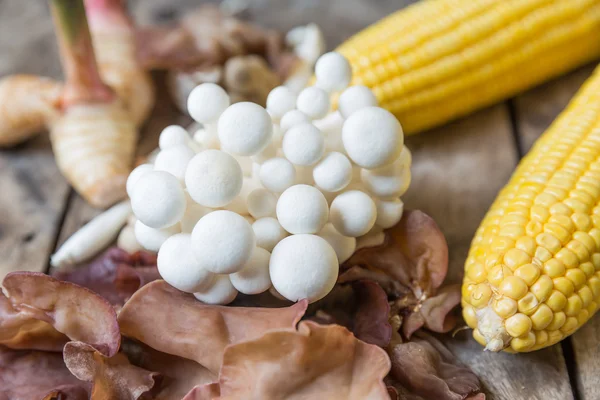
[273, 198]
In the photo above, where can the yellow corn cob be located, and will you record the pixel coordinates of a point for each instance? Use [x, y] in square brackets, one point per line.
[440, 59]
[532, 276]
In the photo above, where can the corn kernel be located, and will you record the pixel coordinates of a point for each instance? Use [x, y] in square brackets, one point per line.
[569, 326]
[558, 232]
[477, 273]
[582, 317]
[534, 228]
[595, 233]
[586, 296]
[563, 221]
[527, 244]
[512, 231]
[557, 322]
[501, 244]
[549, 242]
[514, 258]
[513, 287]
[539, 213]
[592, 307]
[596, 261]
[557, 301]
[576, 276]
[582, 221]
[554, 337]
[491, 260]
[568, 258]
[470, 316]
[467, 290]
[541, 337]
[479, 337]
[542, 317]
[577, 205]
[480, 297]
[588, 269]
[554, 268]
[528, 304]
[594, 285]
[498, 274]
[574, 306]
[523, 343]
[579, 249]
[560, 209]
[564, 285]
[585, 239]
[542, 254]
[504, 307]
[528, 272]
[542, 288]
[517, 325]
[545, 200]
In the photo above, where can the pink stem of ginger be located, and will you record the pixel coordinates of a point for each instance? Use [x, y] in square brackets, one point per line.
[108, 15]
[83, 82]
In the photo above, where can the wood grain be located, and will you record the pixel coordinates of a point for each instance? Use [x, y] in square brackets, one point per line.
[536, 110]
[33, 193]
[457, 172]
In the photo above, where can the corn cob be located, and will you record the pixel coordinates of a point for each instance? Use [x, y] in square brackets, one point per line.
[532, 276]
[441, 59]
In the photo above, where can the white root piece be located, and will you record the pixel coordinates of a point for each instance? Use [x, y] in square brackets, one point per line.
[92, 237]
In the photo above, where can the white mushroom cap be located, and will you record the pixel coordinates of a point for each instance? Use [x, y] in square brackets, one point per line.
[353, 213]
[314, 102]
[344, 246]
[207, 137]
[389, 212]
[303, 267]
[372, 137]
[245, 129]
[173, 135]
[223, 241]
[280, 100]
[387, 182]
[277, 174]
[213, 178]
[333, 172]
[261, 203]
[158, 200]
[174, 160]
[207, 102]
[303, 144]
[135, 175]
[254, 277]
[179, 267]
[291, 118]
[220, 292]
[333, 72]
[302, 209]
[355, 98]
[151, 239]
[268, 232]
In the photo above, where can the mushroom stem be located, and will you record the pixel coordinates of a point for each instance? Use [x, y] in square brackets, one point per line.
[83, 82]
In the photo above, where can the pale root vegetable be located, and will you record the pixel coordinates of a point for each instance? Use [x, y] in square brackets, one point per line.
[277, 174]
[389, 212]
[268, 232]
[245, 129]
[158, 200]
[254, 276]
[280, 101]
[135, 175]
[353, 213]
[355, 98]
[261, 203]
[174, 160]
[92, 237]
[372, 137]
[314, 102]
[223, 241]
[343, 246]
[302, 209]
[221, 291]
[303, 267]
[303, 144]
[333, 72]
[213, 178]
[178, 266]
[173, 135]
[151, 239]
[27, 103]
[333, 172]
[291, 118]
[207, 102]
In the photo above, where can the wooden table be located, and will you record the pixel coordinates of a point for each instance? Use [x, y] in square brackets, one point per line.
[457, 171]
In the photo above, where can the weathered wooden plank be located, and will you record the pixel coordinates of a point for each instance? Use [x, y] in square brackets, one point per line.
[457, 171]
[33, 193]
[535, 112]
